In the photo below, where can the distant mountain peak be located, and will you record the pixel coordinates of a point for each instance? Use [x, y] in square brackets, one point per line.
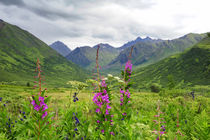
[103, 45]
[147, 38]
[58, 42]
[138, 39]
[61, 48]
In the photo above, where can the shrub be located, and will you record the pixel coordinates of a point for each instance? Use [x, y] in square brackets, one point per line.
[155, 87]
[28, 84]
[208, 34]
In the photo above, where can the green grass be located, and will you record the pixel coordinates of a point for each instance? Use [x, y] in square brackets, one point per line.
[193, 114]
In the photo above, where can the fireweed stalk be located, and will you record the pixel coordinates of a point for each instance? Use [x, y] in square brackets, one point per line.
[178, 133]
[159, 122]
[124, 89]
[39, 112]
[102, 101]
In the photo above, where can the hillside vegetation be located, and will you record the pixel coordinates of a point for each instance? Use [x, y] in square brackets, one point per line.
[19, 51]
[149, 52]
[192, 66]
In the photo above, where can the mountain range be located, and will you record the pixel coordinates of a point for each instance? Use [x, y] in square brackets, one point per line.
[145, 51]
[19, 51]
[137, 40]
[192, 66]
[186, 58]
[86, 56]
[151, 51]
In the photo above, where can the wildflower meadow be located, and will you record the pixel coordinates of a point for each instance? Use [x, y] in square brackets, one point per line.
[105, 107]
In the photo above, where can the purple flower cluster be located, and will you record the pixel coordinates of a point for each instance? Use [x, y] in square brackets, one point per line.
[75, 97]
[124, 94]
[101, 99]
[128, 67]
[41, 106]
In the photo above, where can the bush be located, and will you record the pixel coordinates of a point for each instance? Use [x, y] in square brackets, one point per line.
[155, 87]
[28, 84]
[208, 34]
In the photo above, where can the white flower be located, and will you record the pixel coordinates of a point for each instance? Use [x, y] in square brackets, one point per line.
[109, 75]
[117, 78]
[120, 81]
[105, 79]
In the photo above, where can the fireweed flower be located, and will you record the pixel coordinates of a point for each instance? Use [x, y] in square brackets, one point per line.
[159, 123]
[39, 105]
[128, 67]
[124, 89]
[178, 133]
[101, 99]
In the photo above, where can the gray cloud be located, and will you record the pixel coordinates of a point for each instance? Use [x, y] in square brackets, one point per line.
[89, 22]
[42, 9]
[18, 3]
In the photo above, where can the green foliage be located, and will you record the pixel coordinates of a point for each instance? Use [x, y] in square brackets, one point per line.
[182, 66]
[18, 53]
[193, 117]
[155, 87]
[28, 84]
[202, 126]
[3, 136]
[171, 82]
[174, 92]
[145, 53]
[208, 34]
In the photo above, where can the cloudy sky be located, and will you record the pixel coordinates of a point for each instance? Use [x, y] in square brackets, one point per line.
[89, 22]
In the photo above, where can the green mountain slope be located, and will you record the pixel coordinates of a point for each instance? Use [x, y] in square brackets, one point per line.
[192, 66]
[86, 56]
[145, 53]
[19, 51]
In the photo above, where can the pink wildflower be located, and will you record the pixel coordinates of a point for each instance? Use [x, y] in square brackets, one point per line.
[128, 66]
[98, 110]
[112, 133]
[44, 115]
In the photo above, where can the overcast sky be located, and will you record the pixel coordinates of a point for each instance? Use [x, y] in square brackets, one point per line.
[89, 22]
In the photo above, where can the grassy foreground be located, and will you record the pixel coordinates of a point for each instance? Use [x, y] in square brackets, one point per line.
[185, 116]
